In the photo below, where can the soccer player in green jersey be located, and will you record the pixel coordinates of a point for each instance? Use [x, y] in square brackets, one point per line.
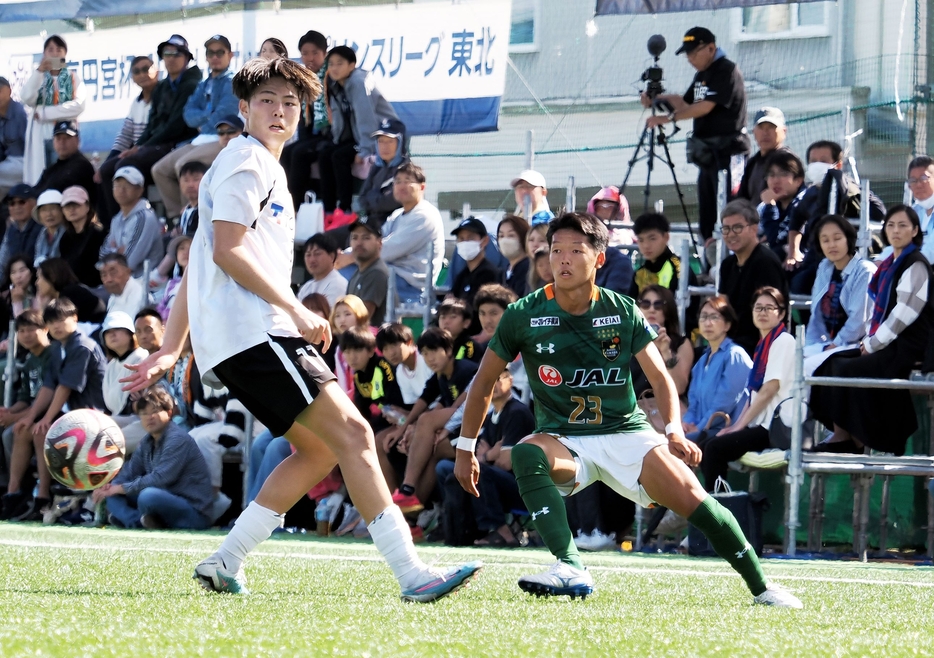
[576, 341]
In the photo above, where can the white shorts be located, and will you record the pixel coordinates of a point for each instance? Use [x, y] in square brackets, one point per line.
[614, 459]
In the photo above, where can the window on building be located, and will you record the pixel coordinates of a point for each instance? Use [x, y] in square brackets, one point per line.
[795, 20]
[525, 26]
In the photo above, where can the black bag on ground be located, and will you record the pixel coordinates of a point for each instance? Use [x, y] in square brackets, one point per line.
[746, 507]
[457, 518]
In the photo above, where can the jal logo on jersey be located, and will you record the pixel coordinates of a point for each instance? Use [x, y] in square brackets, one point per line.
[611, 348]
[551, 321]
[606, 321]
[597, 377]
[549, 376]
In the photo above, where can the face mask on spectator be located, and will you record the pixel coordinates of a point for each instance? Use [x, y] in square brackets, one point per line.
[927, 204]
[510, 247]
[816, 171]
[469, 249]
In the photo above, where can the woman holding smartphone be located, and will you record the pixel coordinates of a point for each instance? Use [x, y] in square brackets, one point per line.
[52, 93]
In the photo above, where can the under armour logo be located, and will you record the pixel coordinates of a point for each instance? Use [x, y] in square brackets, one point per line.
[739, 554]
[550, 348]
[541, 512]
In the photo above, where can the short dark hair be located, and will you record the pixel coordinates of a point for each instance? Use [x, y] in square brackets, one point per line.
[436, 338]
[742, 207]
[650, 221]
[836, 151]
[358, 338]
[920, 161]
[155, 397]
[394, 333]
[494, 293]
[193, 167]
[139, 58]
[148, 312]
[317, 303]
[19, 258]
[316, 39]
[323, 241]
[775, 294]
[344, 52]
[412, 170]
[58, 273]
[259, 71]
[918, 240]
[57, 40]
[455, 306]
[29, 318]
[115, 257]
[840, 222]
[721, 304]
[277, 45]
[59, 309]
[518, 224]
[582, 222]
[785, 161]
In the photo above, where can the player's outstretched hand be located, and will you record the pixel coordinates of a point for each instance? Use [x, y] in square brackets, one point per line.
[313, 328]
[148, 371]
[686, 451]
[467, 471]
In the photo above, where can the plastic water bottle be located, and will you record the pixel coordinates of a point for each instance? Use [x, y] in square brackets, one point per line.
[393, 415]
[322, 518]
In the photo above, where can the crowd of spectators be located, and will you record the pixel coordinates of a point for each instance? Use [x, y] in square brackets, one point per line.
[91, 273]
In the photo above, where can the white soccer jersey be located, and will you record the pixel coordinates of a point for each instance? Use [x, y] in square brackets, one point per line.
[246, 185]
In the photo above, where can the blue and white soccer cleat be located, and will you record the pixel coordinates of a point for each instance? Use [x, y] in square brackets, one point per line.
[560, 580]
[442, 583]
[213, 576]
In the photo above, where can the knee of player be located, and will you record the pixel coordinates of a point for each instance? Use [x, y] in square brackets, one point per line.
[529, 459]
[354, 435]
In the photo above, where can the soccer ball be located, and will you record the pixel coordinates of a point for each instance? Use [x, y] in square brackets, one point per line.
[84, 449]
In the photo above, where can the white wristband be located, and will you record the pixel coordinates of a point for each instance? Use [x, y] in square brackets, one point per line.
[672, 428]
[463, 443]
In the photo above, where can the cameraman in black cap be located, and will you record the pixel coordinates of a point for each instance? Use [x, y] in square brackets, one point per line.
[716, 101]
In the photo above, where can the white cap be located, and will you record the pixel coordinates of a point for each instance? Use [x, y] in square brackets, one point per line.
[131, 175]
[118, 320]
[531, 177]
[47, 198]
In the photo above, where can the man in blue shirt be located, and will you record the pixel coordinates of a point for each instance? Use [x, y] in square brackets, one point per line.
[12, 138]
[212, 101]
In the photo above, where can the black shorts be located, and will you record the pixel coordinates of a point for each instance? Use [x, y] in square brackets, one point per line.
[275, 380]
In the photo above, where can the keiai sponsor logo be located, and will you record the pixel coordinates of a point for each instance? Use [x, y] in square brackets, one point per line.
[597, 377]
[606, 321]
[551, 321]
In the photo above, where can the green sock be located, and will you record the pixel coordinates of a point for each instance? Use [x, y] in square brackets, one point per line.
[544, 503]
[719, 526]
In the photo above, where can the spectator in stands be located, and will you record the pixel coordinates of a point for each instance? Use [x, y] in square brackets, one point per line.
[898, 337]
[189, 180]
[532, 197]
[19, 292]
[71, 167]
[84, 236]
[48, 213]
[74, 377]
[376, 201]
[410, 232]
[211, 101]
[272, 48]
[661, 313]
[472, 240]
[166, 483]
[357, 109]
[510, 238]
[134, 232]
[171, 271]
[541, 273]
[770, 382]
[659, 266]
[718, 379]
[751, 266]
[121, 349]
[785, 179]
[53, 93]
[21, 230]
[149, 329]
[56, 280]
[455, 316]
[320, 257]
[375, 383]
[146, 76]
[921, 183]
[770, 132]
[840, 305]
[616, 273]
[371, 280]
[716, 100]
[165, 128]
[127, 294]
[613, 210]
[32, 335]
[536, 239]
[13, 122]
[349, 311]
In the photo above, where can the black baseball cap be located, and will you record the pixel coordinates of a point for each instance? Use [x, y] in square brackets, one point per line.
[390, 128]
[21, 191]
[66, 128]
[471, 224]
[176, 41]
[221, 39]
[231, 120]
[364, 224]
[694, 39]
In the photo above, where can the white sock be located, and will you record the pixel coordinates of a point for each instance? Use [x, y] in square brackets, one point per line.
[253, 526]
[393, 540]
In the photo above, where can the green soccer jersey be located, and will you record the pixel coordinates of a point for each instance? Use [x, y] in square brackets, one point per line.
[578, 365]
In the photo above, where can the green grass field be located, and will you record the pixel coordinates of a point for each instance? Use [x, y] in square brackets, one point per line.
[86, 592]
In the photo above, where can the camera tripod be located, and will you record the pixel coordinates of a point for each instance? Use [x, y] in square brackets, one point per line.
[647, 142]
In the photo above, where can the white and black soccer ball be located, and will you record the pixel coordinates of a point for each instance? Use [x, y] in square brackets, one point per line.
[84, 449]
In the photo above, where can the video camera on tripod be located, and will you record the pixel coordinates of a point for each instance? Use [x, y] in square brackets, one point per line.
[652, 76]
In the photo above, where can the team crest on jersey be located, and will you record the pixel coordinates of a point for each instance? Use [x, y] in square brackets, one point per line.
[611, 348]
[550, 321]
[549, 375]
[606, 321]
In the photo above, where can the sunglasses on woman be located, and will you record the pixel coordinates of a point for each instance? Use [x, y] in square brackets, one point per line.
[646, 304]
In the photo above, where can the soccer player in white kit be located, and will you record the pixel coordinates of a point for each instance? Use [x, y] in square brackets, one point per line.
[250, 334]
